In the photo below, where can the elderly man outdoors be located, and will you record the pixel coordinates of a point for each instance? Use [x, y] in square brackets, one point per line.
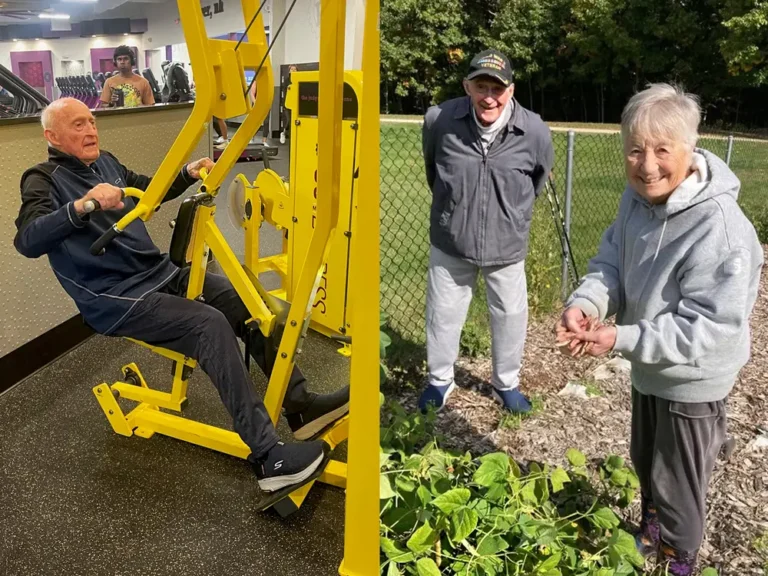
[487, 159]
[134, 290]
[679, 268]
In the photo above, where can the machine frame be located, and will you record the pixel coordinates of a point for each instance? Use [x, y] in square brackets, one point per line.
[219, 71]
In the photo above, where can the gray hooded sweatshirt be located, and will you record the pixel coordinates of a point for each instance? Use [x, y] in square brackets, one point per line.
[682, 279]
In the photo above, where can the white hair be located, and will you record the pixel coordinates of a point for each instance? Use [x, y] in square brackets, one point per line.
[662, 111]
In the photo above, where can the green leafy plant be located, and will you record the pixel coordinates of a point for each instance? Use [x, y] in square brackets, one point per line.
[448, 513]
[761, 547]
[513, 420]
[384, 342]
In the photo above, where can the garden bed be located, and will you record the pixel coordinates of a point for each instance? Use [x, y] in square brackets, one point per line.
[599, 425]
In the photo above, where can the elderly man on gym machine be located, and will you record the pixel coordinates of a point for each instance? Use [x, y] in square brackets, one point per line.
[133, 290]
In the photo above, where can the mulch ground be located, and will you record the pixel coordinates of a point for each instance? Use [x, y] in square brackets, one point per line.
[599, 425]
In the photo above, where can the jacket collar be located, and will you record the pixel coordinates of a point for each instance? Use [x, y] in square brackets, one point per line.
[66, 160]
[517, 120]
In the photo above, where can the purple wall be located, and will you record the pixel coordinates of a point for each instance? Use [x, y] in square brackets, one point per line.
[43, 56]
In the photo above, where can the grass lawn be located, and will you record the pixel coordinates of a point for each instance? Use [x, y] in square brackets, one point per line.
[598, 181]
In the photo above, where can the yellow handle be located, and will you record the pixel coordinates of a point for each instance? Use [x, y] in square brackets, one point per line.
[133, 192]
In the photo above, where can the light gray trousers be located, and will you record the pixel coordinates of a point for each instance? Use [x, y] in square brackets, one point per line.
[450, 284]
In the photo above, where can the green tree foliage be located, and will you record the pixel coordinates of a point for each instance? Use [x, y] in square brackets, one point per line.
[422, 45]
[745, 48]
[580, 60]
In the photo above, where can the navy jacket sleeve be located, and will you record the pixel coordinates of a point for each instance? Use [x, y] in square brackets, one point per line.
[428, 144]
[545, 162]
[178, 187]
[41, 225]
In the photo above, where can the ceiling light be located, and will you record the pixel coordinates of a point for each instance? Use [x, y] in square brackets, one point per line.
[53, 16]
[126, 34]
[15, 39]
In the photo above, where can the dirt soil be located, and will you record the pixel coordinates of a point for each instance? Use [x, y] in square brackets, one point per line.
[600, 424]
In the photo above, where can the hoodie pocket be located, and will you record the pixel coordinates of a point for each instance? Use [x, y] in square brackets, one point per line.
[447, 213]
[676, 373]
[695, 410]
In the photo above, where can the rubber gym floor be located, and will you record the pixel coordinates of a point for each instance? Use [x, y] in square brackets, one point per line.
[78, 499]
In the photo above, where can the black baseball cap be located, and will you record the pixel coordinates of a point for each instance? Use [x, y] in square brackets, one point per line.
[491, 63]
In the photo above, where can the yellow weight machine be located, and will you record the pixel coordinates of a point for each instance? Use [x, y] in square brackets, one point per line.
[328, 280]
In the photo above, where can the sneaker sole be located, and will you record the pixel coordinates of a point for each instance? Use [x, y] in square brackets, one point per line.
[280, 482]
[318, 424]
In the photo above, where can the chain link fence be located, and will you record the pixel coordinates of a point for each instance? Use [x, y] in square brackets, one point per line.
[590, 197]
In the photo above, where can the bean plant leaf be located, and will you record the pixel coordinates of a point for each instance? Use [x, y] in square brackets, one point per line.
[494, 469]
[384, 342]
[559, 478]
[492, 545]
[422, 540]
[394, 552]
[605, 518]
[575, 457]
[405, 483]
[632, 480]
[614, 462]
[529, 493]
[463, 523]
[619, 477]
[709, 572]
[623, 547]
[427, 567]
[546, 536]
[385, 488]
[452, 500]
[627, 496]
[549, 563]
[424, 495]
[393, 570]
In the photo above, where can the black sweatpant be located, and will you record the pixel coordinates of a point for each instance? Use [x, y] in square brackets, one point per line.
[208, 332]
[674, 447]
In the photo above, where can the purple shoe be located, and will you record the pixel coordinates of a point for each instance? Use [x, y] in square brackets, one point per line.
[648, 537]
[677, 562]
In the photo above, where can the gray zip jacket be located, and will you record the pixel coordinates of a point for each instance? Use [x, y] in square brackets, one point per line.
[682, 279]
[482, 203]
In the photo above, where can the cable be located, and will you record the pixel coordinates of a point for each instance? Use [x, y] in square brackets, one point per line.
[250, 24]
[562, 233]
[269, 49]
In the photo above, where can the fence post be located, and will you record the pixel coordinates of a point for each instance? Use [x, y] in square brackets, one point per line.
[567, 224]
[730, 150]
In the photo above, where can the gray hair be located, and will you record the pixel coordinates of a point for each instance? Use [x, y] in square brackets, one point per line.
[662, 110]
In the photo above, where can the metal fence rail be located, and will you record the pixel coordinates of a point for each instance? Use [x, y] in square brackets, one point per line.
[587, 182]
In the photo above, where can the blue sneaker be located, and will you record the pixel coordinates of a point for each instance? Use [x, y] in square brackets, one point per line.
[512, 400]
[435, 395]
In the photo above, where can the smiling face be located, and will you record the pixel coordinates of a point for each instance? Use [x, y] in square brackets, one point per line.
[73, 131]
[489, 96]
[655, 167]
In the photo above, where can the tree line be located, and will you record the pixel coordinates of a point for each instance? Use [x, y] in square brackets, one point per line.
[581, 60]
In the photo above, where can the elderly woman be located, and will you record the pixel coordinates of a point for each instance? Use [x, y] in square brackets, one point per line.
[679, 267]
